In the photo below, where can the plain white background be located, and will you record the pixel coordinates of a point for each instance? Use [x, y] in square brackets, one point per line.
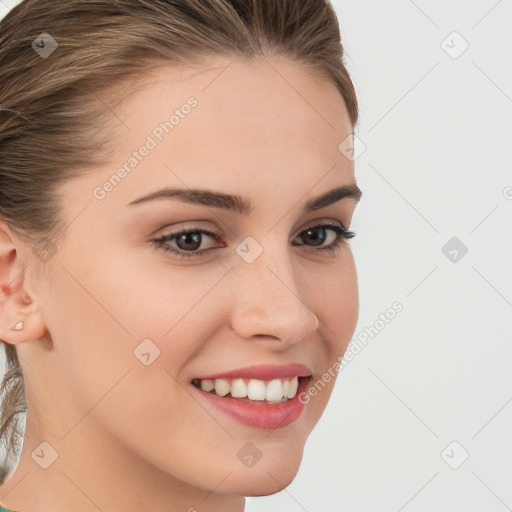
[420, 419]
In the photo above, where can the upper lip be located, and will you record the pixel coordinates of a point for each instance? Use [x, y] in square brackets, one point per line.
[262, 372]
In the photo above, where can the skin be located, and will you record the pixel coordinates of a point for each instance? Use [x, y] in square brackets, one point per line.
[130, 437]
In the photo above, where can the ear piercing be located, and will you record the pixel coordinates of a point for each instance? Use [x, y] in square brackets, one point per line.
[18, 326]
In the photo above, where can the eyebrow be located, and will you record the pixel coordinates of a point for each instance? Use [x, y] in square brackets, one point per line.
[241, 205]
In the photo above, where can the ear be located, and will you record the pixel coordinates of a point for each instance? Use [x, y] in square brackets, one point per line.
[17, 301]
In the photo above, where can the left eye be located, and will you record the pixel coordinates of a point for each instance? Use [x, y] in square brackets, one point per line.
[189, 240]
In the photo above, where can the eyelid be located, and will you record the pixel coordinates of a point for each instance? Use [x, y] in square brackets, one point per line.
[342, 235]
[195, 226]
[323, 222]
[190, 226]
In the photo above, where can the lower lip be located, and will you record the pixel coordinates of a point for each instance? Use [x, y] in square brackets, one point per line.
[259, 415]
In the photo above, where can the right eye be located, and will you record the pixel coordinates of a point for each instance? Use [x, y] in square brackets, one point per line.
[190, 240]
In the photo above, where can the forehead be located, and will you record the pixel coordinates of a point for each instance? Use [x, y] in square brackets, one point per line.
[239, 101]
[254, 125]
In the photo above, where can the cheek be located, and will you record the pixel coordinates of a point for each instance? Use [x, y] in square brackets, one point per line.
[132, 314]
[99, 318]
[336, 302]
[175, 307]
[338, 310]
[93, 347]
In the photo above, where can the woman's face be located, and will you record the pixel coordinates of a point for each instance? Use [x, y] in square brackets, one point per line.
[136, 328]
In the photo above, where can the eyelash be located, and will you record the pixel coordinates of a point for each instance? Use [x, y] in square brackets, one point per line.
[342, 235]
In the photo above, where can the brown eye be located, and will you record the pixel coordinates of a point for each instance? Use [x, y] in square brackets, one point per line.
[318, 234]
[187, 241]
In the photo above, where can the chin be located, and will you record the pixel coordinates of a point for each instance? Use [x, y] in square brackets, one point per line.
[266, 479]
[267, 486]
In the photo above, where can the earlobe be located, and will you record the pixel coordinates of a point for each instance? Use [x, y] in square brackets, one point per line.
[18, 326]
[20, 314]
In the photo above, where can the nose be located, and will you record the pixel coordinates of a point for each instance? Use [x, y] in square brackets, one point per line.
[269, 301]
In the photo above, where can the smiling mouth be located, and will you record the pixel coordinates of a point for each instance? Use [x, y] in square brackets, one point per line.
[272, 391]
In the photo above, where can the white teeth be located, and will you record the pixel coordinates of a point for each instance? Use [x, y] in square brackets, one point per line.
[238, 388]
[292, 390]
[256, 390]
[222, 387]
[275, 390]
[207, 385]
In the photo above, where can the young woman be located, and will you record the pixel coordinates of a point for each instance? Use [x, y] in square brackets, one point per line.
[177, 284]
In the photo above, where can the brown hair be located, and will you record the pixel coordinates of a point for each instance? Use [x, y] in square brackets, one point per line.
[50, 106]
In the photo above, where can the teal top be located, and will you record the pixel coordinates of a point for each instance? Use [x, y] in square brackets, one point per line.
[3, 509]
